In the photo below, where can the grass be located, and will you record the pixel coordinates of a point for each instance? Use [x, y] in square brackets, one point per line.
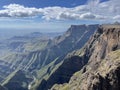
[9, 77]
[110, 63]
[66, 87]
[42, 73]
[35, 46]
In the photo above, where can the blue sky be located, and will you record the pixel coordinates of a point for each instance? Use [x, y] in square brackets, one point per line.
[56, 15]
[44, 3]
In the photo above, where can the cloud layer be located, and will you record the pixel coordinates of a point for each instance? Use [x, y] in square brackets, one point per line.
[94, 9]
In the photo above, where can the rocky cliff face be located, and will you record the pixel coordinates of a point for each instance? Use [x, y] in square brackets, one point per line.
[71, 64]
[103, 67]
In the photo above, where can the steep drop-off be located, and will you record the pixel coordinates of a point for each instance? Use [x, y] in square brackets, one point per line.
[102, 72]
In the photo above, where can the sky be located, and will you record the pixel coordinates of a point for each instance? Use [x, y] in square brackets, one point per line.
[55, 15]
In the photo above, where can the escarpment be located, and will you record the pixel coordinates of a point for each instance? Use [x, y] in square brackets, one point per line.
[102, 72]
[70, 64]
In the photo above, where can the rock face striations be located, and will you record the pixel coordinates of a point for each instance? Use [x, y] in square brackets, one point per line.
[102, 72]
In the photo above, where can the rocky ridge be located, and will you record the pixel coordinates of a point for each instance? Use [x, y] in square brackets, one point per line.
[103, 67]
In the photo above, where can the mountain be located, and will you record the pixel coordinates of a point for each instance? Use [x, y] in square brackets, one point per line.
[103, 67]
[58, 47]
[83, 32]
[26, 43]
[14, 49]
[42, 63]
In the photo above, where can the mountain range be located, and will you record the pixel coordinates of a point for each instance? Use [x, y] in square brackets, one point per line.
[85, 57]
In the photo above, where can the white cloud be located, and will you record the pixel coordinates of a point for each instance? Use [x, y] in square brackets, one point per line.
[116, 17]
[16, 10]
[88, 16]
[94, 9]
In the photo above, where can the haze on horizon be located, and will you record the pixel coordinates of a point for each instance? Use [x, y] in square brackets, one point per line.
[55, 15]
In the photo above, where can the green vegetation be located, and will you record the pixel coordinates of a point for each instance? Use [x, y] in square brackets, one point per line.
[65, 87]
[34, 46]
[107, 65]
[42, 60]
[9, 77]
[45, 72]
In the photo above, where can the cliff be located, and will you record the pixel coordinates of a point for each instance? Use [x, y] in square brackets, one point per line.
[73, 39]
[103, 67]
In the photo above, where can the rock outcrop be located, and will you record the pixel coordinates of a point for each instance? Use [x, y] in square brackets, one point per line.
[103, 67]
